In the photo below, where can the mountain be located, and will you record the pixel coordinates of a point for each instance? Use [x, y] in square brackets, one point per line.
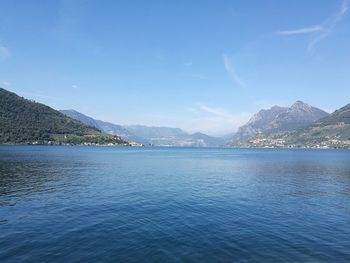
[260, 122]
[203, 140]
[165, 136]
[156, 136]
[106, 127]
[277, 120]
[80, 117]
[332, 131]
[25, 121]
[298, 115]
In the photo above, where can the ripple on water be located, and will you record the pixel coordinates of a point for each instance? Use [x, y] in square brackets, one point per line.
[88, 204]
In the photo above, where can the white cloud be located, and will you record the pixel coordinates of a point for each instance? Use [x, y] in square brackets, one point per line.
[306, 30]
[4, 52]
[216, 111]
[6, 83]
[215, 121]
[231, 70]
[322, 30]
[75, 86]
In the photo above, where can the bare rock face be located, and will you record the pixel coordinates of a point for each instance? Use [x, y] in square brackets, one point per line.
[277, 120]
[298, 115]
[332, 131]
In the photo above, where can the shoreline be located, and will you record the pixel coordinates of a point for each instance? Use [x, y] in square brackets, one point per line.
[169, 147]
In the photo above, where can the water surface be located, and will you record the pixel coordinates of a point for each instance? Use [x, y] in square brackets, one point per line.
[107, 204]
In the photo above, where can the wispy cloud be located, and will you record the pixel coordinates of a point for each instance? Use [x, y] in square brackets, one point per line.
[231, 70]
[216, 111]
[6, 83]
[322, 30]
[188, 63]
[4, 52]
[75, 86]
[215, 120]
[306, 30]
[199, 76]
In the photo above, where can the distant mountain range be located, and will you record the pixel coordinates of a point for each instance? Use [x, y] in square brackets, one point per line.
[165, 136]
[26, 122]
[276, 120]
[155, 136]
[106, 127]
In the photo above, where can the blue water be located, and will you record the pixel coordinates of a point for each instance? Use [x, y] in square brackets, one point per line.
[105, 204]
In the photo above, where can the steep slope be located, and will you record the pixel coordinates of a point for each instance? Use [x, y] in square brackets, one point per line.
[80, 117]
[106, 127]
[25, 121]
[298, 115]
[259, 123]
[330, 131]
[277, 120]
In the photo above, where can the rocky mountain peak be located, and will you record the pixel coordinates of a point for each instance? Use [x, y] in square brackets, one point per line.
[278, 120]
[299, 105]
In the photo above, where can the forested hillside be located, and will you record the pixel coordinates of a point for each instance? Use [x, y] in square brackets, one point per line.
[25, 121]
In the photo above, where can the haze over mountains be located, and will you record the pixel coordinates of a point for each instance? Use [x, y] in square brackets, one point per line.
[165, 136]
[301, 130]
[332, 131]
[301, 125]
[297, 126]
[155, 136]
[107, 127]
[277, 120]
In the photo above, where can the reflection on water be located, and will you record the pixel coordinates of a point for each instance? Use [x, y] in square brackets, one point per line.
[88, 204]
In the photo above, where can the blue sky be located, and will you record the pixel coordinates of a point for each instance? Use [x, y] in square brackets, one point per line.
[198, 65]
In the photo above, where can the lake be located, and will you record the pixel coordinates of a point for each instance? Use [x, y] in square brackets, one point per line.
[124, 204]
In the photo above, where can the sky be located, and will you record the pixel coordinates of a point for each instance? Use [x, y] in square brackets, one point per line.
[198, 65]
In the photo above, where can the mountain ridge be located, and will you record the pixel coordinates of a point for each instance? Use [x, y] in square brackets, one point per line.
[300, 125]
[107, 127]
[277, 120]
[332, 131]
[23, 121]
[152, 135]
